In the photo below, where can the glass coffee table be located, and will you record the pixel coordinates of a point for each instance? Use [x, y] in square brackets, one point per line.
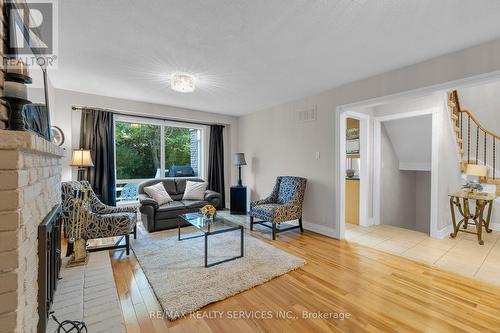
[216, 226]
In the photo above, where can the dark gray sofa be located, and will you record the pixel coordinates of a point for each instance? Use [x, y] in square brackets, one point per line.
[155, 217]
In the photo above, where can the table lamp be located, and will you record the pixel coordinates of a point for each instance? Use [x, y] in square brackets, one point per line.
[476, 172]
[239, 160]
[82, 159]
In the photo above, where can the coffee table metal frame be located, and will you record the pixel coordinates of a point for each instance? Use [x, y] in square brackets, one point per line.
[209, 233]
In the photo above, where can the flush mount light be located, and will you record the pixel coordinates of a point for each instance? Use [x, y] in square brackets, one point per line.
[182, 83]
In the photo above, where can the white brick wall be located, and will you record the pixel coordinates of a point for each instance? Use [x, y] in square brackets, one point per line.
[30, 177]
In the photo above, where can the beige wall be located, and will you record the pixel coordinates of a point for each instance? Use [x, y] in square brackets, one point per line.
[396, 186]
[423, 201]
[277, 144]
[69, 121]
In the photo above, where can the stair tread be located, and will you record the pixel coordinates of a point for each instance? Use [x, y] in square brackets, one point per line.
[493, 181]
[454, 116]
[452, 104]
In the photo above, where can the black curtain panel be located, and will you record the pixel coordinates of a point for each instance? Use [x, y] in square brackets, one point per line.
[96, 134]
[216, 162]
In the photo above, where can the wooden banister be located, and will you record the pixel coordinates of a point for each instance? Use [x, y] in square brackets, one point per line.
[474, 146]
[479, 125]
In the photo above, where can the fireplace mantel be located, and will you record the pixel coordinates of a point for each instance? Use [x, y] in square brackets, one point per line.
[30, 186]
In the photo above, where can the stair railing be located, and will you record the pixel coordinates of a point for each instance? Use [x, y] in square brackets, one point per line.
[478, 141]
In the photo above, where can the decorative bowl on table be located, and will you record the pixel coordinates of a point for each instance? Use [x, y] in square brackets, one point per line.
[208, 212]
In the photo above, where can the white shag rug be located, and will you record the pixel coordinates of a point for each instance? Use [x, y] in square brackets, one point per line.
[175, 269]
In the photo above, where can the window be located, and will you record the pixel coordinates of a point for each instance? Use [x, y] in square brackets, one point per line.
[137, 148]
[147, 149]
[182, 151]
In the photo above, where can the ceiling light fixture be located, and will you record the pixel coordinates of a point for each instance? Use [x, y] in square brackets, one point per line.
[182, 83]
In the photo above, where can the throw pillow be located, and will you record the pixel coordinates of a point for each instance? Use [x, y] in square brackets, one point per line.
[158, 193]
[195, 190]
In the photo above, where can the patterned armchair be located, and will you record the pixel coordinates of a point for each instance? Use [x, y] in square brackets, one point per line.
[283, 204]
[103, 220]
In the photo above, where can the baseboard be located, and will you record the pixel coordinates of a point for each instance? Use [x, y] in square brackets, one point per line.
[495, 226]
[320, 229]
[446, 231]
[443, 233]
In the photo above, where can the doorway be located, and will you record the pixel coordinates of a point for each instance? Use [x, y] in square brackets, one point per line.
[355, 168]
[405, 146]
[371, 194]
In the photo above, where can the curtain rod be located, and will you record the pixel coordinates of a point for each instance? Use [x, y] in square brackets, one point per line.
[132, 114]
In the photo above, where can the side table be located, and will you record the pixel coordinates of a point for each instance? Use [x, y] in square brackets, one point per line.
[461, 200]
[239, 197]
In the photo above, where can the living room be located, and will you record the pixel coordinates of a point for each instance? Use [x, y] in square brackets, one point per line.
[183, 166]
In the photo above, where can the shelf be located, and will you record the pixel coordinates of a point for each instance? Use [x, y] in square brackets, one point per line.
[353, 156]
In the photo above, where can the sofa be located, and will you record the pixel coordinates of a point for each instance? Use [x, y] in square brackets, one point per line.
[160, 217]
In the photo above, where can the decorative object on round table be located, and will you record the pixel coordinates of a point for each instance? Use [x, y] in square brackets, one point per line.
[57, 135]
[208, 211]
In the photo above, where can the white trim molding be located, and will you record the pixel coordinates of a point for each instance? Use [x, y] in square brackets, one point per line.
[365, 177]
[443, 233]
[434, 167]
[320, 229]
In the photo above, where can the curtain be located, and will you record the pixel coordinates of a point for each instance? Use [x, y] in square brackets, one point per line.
[96, 134]
[216, 162]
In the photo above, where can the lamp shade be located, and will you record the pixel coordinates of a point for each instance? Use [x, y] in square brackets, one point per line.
[476, 170]
[239, 159]
[81, 158]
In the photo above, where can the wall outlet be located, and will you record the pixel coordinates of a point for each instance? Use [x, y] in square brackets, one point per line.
[317, 155]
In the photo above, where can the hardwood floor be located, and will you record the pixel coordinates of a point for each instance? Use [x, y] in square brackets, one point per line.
[381, 293]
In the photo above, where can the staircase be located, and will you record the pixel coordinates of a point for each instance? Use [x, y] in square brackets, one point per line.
[476, 145]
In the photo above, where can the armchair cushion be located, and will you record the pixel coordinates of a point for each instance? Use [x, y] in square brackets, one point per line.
[264, 211]
[109, 225]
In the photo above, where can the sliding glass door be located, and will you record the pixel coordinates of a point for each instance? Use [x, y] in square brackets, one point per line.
[147, 149]
[138, 150]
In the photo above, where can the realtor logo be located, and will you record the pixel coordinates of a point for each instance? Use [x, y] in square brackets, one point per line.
[33, 30]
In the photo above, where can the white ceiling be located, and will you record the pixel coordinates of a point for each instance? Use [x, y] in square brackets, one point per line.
[250, 55]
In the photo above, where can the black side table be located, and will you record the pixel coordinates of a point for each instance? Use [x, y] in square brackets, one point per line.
[239, 200]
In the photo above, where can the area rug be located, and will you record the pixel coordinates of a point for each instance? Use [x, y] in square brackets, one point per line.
[175, 269]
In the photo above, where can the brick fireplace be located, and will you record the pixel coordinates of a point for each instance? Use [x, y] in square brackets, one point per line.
[30, 177]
